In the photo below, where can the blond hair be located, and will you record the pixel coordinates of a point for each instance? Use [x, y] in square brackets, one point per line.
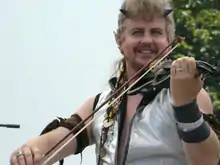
[147, 8]
[144, 8]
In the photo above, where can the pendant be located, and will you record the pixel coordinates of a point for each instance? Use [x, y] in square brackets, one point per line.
[102, 152]
[107, 123]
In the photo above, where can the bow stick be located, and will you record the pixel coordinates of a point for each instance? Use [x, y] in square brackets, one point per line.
[46, 158]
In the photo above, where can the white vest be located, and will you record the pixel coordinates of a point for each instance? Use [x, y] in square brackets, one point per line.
[153, 137]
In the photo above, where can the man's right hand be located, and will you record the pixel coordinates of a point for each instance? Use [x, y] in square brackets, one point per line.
[26, 156]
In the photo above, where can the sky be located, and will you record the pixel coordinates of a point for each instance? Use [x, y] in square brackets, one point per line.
[53, 56]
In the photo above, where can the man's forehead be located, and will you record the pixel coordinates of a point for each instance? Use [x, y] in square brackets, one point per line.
[140, 22]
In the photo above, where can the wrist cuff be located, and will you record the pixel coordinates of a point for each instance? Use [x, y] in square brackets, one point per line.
[188, 113]
[197, 135]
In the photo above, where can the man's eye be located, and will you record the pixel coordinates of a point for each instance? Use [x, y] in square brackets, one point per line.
[138, 32]
[157, 32]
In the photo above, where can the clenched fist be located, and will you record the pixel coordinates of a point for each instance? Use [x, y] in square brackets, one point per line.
[185, 84]
[25, 156]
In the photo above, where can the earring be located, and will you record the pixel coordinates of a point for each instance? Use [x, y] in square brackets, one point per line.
[122, 68]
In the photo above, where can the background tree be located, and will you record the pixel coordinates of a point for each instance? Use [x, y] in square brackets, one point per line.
[199, 22]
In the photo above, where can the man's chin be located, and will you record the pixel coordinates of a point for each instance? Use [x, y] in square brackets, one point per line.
[140, 65]
[145, 62]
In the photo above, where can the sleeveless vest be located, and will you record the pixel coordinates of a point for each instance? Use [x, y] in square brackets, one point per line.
[152, 136]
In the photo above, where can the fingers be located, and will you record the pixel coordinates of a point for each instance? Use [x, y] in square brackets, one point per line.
[13, 160]
[37, 155]
[21, 160]
[17, 158]
[25, 156]
[28, 155]
[192, 66]
[184, 66]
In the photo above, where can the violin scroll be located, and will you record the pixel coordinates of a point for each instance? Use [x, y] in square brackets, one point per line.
[208, 69]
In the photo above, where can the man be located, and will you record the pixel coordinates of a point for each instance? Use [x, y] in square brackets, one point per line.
[162, 128]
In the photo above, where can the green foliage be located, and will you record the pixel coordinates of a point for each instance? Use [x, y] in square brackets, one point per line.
[197, 5]
[199, 22]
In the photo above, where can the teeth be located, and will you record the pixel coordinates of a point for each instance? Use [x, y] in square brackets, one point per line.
[146, 51]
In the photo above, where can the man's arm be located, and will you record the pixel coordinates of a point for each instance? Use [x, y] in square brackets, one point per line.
[207, 151]
[46, 141]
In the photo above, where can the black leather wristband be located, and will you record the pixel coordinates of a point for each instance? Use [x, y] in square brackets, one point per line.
[197, 135]
[188, 113]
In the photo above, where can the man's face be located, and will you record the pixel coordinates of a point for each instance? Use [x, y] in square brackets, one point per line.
[142, 40]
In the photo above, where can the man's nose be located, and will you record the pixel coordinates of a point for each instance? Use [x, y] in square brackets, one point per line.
[147, 39]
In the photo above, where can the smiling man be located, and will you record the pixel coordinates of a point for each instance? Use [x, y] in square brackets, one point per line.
[164, 127]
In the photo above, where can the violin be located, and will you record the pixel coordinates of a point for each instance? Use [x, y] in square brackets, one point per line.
[159, 77]
[151, 77]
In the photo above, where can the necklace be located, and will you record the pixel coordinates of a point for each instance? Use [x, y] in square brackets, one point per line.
[107, 131]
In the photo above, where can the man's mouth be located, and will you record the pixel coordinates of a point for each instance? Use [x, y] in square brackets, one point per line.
[146, 53]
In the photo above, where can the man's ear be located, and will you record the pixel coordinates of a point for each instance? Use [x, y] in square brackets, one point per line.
[117, 39]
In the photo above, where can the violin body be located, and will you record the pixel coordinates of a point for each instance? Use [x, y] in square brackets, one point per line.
[159, 77]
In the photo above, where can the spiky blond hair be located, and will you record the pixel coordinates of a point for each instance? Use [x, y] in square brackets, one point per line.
[144, 8]
[147, 8]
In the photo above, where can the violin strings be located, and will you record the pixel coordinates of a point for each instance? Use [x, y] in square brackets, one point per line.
[107, 100]
[95, 111]
[98, 115]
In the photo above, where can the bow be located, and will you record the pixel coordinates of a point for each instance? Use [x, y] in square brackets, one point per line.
[154, 74]
[118, 94]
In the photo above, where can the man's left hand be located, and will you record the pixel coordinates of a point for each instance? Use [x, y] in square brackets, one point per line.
[184, 83]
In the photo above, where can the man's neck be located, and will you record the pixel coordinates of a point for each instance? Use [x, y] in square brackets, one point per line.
[130, 73]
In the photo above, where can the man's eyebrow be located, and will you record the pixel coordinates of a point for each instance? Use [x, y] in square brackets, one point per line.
[136, 28]
[157, 28]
